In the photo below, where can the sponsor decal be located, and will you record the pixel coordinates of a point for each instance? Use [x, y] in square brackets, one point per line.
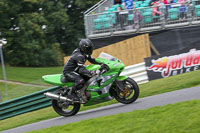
[175, 64]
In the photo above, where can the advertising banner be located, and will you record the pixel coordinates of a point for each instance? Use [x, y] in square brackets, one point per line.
[170, 64]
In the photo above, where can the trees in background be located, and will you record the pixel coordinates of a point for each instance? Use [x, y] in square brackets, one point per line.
[40, 32]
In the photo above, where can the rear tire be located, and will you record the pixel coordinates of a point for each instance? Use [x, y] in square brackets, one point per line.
[130, 86]
[61, 108]
[65, 108]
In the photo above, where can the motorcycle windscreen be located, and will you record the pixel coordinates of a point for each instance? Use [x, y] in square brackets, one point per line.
[106, 56]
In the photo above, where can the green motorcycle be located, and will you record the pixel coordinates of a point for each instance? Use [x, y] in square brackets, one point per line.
[102, 87]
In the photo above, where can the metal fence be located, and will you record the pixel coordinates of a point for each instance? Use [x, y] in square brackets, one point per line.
[141, 20]
[100, 7]
[25, 104]
[137, 72]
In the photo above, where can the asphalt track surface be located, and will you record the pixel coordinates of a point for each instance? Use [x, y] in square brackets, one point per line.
[140, 104]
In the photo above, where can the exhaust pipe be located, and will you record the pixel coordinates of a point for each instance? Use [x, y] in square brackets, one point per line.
[56, 97]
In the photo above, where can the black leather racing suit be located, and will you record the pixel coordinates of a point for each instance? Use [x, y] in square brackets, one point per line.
[75, 66]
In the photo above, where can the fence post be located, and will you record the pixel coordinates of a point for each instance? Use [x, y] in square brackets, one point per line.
[0, 97]
[4, 71]
[137, 24]
[162, 17]
[189, 12]
[86, 27]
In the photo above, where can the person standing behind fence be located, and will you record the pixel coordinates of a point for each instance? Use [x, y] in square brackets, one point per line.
[166, 4]
[155, 11]
[182, 9]
[137, 17]
[128, 4]
[171, 2]
[162, 6]
[121, 17]
[151, 2]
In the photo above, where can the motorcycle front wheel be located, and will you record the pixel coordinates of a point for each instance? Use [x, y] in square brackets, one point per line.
[65, 108]
[130, 94]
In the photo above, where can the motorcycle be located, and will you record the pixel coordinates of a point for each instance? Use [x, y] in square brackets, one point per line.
[105, 85]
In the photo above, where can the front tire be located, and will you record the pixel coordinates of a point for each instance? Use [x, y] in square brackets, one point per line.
[131, 92]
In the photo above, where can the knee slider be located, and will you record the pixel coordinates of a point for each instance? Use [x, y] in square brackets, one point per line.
[80, 82]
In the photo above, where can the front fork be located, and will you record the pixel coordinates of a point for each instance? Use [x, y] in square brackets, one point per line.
[120, 82]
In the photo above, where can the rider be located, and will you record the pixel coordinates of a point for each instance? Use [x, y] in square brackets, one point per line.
[75, 66]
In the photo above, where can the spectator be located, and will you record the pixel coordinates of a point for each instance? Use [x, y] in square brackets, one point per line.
[151, 2]
[121, 17]
[155, 11]
[117, 2]
[166, 2]
[162, 6]
[128, 4]
[182, 8]
[119, 9]
[137, 17]
[171, 2]
[182, 2]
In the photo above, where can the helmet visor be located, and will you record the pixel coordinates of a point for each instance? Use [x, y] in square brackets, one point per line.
[89, 50]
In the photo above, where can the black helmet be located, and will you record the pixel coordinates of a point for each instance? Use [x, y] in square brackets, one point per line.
[86, 46]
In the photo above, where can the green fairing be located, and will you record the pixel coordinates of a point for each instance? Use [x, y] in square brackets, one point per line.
[93, 67]
[96, 98]
[55, 80]
[115, 68]
[122, 78]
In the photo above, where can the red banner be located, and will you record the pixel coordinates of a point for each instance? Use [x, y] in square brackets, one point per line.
[172, 65]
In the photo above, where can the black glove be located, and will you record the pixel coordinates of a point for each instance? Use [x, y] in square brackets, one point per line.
[102, 67]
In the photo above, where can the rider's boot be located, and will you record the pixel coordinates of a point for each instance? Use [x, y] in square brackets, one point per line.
[73, 95]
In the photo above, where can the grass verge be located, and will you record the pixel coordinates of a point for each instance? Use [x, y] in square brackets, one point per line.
[15, 91]
[151, 88]
[173, 118]
[29, 74]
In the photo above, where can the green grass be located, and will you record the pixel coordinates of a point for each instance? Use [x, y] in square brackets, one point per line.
[151, 88]
[177, 82]
[15, 91]
[29, 74]
[174, 118]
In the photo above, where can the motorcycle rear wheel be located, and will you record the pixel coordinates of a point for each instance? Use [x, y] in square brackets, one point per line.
[65, 108]
[131, 92]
